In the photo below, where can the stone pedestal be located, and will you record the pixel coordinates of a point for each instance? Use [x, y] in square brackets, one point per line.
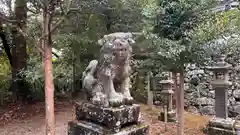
[221, 126]
[95, 120]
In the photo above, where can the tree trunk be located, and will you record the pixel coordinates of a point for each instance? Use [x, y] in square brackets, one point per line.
[21, 16]
[181, 101]
[177, 101]
[14, 86]
[73, 92]
[19, 49]
[175, 88]
[48, 75]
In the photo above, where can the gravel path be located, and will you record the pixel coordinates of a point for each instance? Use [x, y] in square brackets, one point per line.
[36, 125]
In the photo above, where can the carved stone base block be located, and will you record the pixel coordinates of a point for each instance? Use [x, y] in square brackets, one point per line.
[89, 128]
[112, 118]
[96, 120]
[171, 116]
[219, 126]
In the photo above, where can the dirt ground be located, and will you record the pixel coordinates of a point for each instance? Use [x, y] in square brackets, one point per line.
[29, 120]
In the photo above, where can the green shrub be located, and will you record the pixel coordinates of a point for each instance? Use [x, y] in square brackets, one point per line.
[4, 79]
[34, 77]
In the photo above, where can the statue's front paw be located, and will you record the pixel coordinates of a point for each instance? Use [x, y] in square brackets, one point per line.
[128, 99]
[116, 100]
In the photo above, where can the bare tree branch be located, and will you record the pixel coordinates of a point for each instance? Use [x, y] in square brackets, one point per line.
[39, 3]
[37, 45]
[59, 22]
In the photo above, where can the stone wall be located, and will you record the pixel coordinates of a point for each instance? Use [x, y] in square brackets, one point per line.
[201, 97]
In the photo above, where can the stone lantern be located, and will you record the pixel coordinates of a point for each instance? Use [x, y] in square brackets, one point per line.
[221, 124]
[167, 94]
[220, 84]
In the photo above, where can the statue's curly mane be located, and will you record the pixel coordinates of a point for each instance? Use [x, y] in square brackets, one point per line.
[115, 55]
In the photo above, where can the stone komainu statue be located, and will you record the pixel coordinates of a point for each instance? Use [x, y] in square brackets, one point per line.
[107, 80]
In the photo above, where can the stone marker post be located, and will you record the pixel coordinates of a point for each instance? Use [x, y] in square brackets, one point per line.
[168, 93]
[150, 93]
[221, 125]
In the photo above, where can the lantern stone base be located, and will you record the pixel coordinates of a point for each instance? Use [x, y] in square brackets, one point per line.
[219, 126]
[171, 116]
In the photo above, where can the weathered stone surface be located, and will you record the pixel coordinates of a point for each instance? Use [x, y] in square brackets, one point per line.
[88, 128]
[221, 101]
[232, 101]
[234, 110]
[207, 110]
[218, 126]
[222, 123]
[112, 118]
[212, 93]
[236, 94]
[204, 101]
[220, 131]
[192, 109]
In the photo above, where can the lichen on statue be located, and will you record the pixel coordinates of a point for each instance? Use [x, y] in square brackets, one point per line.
[107, 80]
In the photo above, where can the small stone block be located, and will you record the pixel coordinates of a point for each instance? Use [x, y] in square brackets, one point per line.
[222, 123]
[89, 128]
[220, 131]
[219, 126]
[171, 116]
[112, 118]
